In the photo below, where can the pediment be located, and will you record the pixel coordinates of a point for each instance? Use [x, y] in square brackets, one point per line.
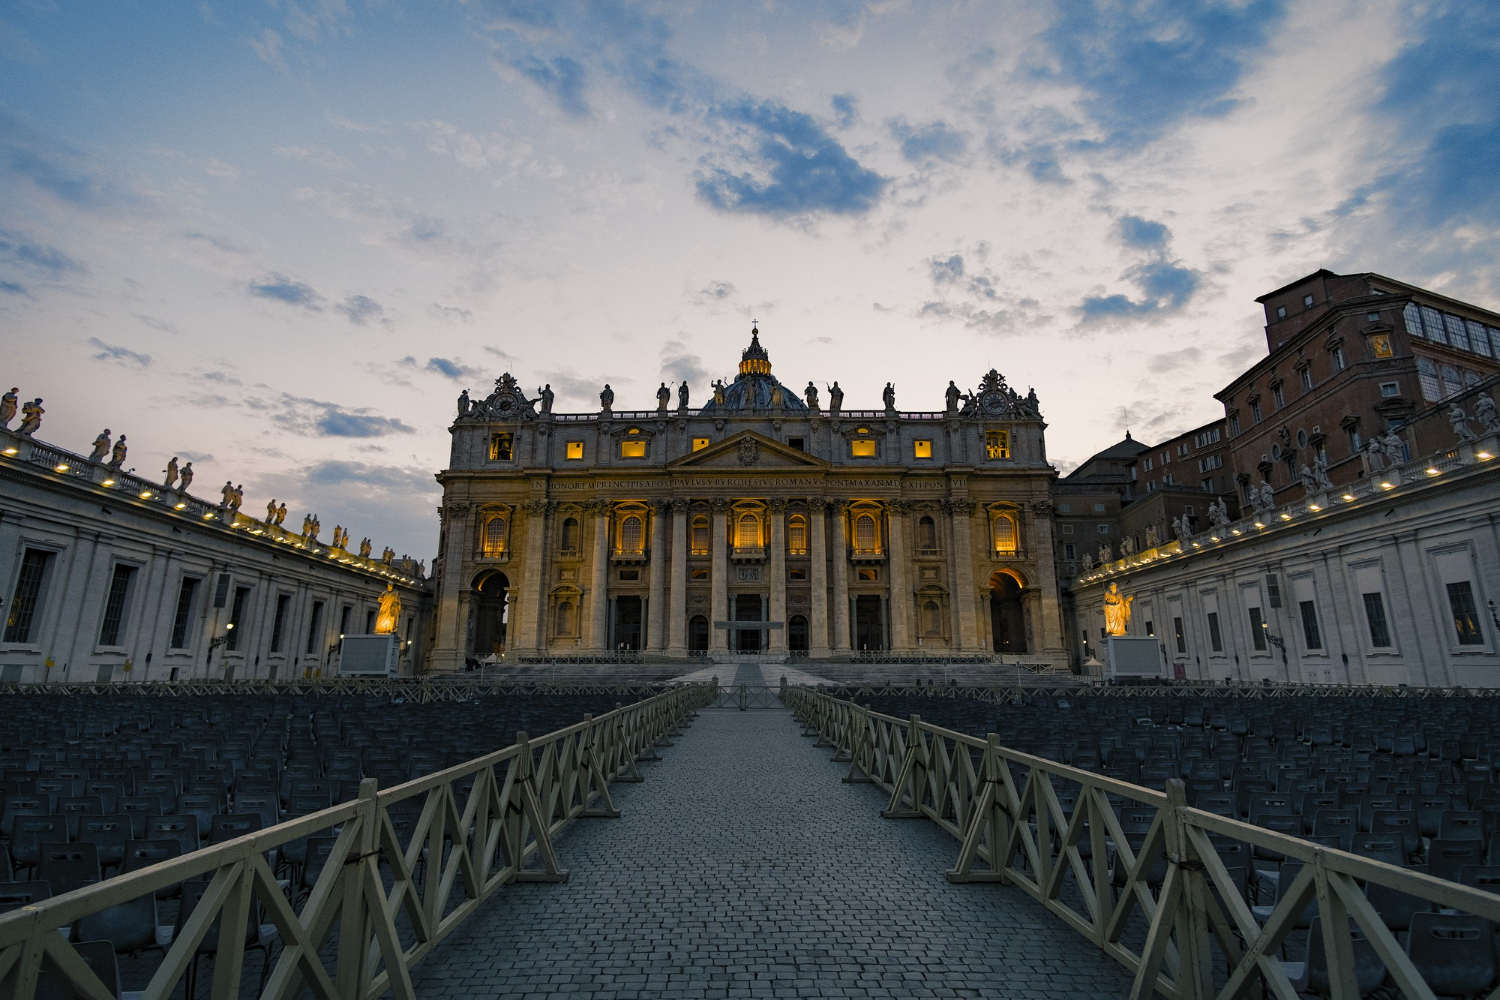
[747, 451]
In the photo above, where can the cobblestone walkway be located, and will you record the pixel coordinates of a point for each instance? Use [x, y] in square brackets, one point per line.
[743, 867]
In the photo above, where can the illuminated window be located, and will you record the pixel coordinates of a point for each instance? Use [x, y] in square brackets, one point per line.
[575, 450]
[570, 534]
[632, 449]
[862, 449]
[698, 574]
[927, 534]
[700, 443]
[1003, 531]
[922, 449]
[500, 447]
[632, 535]
[747, 532]
[796, 535]
[700, 535]
[869, 575]
[997, 444]
[496, 536]
[565, 618]
[864, 533]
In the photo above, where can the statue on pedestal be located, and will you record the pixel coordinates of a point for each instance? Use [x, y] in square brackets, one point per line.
[1484, 412]
[1153, 538]
[1179, 529]
[1320, 472]
[314, 528]
[682, 395]
[31, 417]
[606, 398]
[226, 492]
[171, 473]
[1374, 456]
[888, 395]
[663, 398]
[810, 395]
[1309, 480]
[546, 393]
[464, 406]
[388, 617]
[1106, 553]
[718, 392]
[951, 397]
[101, 446]
[835, 398]
[1218, 515]
[238, 498]
[1267, 495]
[271, 511]
[1460, 423]
[364, 548]
[1395, 448]
[187, 477]
[1116, 610]
[281, 513]
[1088, 563]
[117, 454]
[8, 404]
[387, 555]
[1127, 546]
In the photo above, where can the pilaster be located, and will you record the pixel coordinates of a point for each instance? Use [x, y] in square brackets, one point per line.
[900, 586]
[778, 636]
[528, 600]
[967, 637]
[840, 576]
[452, 612]
[817, 629]
[599, 578]
[677, 641]
[656, 637]
[718, 638]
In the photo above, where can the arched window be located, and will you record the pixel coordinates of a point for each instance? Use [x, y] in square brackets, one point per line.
[927, 533]
[570, 534]
[496, 536]
[1451, 384]
[1003, 529]
[631, 535]
[747, 532]
[700, 535]
[931, 619]
[565, 618]
[796, 535]
[864, 533]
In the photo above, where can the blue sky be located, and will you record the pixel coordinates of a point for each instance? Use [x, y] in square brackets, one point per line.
[279, 237]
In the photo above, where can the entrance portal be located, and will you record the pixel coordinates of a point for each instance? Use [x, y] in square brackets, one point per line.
[697, 635]
[628, 623]
[1007, 620]
[490, 614]
[869, 623]
[796, 634]
[748, 608]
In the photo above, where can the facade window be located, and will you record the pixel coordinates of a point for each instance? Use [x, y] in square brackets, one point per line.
[1413, 317]
[114, 605]
[1307, 382]
[1067, 529]
[182, 619]
[1451, 382]
[927, 534]
[862, 449]
[1355, 441]
[698, 574]
[565, 618]
[1380, 632]
[237, 617]
[932, 619]
[632, 535]
[1069, 552]
[1281, 312]
[1479, 339]
[1215, 635]
[1307, 302]
[799, 444]
[747, 532]
[1432, 323]
[868, 574]
[570, 534]
[1102, 529]
[1310, 634]
[1003, 531]
[1336, 358]
[1181, 639]
[1234, 422]
[796, 535]
[501, 447]
[632, 449]
[700, 443]
[1255, 411]
[370, 622]
[864, 533]
[1257, 630]
[1465, 614]
[1458, 334]
[496, 536]
[997, 444]
[1278, 395]
[575, 451]
[314, 628]
[700, 535]
[278, 624]
[1390, 389]
[921, 449]
[26, 601]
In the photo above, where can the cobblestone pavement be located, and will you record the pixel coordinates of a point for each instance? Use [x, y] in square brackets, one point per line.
[743, 867]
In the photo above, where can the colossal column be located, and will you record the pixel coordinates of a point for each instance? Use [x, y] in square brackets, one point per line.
[528, 616]
[599, 586]
[777, 542]
[677, 627]
[817, 627]
[840, 577]
[655, 632]
[901, 600]
[452, 610]
[718, 637]
[962, 509]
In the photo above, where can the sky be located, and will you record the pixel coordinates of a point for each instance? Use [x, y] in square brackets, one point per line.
[278, 238]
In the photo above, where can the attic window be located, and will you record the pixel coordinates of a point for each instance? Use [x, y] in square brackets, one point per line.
[700, 443]
[1307, 302]
[796, 443]
[862, 449]
[1281, 312]
[633, 449]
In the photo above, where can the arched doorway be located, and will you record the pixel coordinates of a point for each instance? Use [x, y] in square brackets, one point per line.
[1007, 619]
[796, 634]
[869, 623]
[748, 608]
[628, 622]
[491, 611]
[697, 634]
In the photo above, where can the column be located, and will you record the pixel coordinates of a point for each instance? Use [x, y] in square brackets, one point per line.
[817, 626]
[531, 583]
[677, 642]
[967, 637]
[777, 643]
[1048, 625]
[719, 638]
[840, 577]
[599, 583]
[900, 588]
[657, 595]
[452, 610]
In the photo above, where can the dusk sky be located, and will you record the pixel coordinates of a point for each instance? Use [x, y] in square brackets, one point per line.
[278, 238]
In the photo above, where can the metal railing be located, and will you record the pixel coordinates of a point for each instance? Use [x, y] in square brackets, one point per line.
[745, 697]
[417, 690]
[392, 902]
[1201, 938]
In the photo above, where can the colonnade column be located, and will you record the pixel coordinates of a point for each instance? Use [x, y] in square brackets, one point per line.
[599, 586]
[840, 577]
[817, 628]
[657, 595]
[677, 641]
[778, 643]
[901, 599]
[967, 637]
[528, 615]
[718, 540]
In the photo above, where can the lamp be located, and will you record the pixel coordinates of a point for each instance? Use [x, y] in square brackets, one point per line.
[1274, 640]
[218, 641]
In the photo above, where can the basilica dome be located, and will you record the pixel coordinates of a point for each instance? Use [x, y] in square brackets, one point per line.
[754, 388]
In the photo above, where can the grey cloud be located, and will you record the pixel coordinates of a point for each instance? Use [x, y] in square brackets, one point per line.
[115, 354]
[583, 390]
[361, 311]
[845, 109]
[452, 313]
[324, 419]
[450, 368]
[155, 323]
[681, 365]
[62, 172]
[280, 288]
[934, 141]
[38, 258]
[509, 359]
[381, 477]
[1165, 286]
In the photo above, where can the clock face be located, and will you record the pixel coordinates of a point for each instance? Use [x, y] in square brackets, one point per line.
[505, 403]
[992, 402]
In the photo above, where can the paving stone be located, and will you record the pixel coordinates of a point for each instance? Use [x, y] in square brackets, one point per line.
[743, 867]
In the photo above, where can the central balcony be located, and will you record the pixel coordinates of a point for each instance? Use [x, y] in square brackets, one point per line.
[747, 554]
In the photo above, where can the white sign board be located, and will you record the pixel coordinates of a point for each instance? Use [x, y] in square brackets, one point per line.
[369, 656]
[1133, 656]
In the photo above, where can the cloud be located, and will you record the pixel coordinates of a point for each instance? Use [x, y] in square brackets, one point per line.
[680, 364]
[311, 416]
[283, 289]
[1139, 234]
[969, 291]
[362, 311]
[114, 354]
[1165, 285]
[1143, 68]
[336, 472]
[582, 389]
[509, 359]
[268, 46]
[845, 109]
[12, 288]
[924, 143]
[713, 293]
[35, 260]
[315, 155]
[450, 368]
[350, 125]
[155, 323]
[59, 171]
[452, 313]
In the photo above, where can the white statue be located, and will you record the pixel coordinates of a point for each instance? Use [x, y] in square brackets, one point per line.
[1106, 554]
[1484, 412]
[1088, 562]
[8, 404]
[187, 477]
[1460, 421]
[1309, 481]
[1180, 530]
[1374, 456]
[1320, 472]
[1395, 448]
[101, 446]
[171, 473]
[1127, 546]
[1267, 495]
[1219, 515]
[1152, 538]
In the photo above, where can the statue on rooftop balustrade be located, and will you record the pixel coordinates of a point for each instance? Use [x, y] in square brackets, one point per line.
[606, 398]
[8, 404]
[546, 393]
[117, 454]
[682, 395]
[663, 398]
[364, 548]
[281, 513]
[888, 395]
[951, 397]
[171, 473]
[1484, 412]
[464, 405]
[101, 446]
[271, 511]
[31, 417]
[187, 477]
[1459, 420]
[810, 395]
[835, 398]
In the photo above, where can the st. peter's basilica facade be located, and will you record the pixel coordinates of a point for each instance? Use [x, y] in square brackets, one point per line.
[762, 519]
